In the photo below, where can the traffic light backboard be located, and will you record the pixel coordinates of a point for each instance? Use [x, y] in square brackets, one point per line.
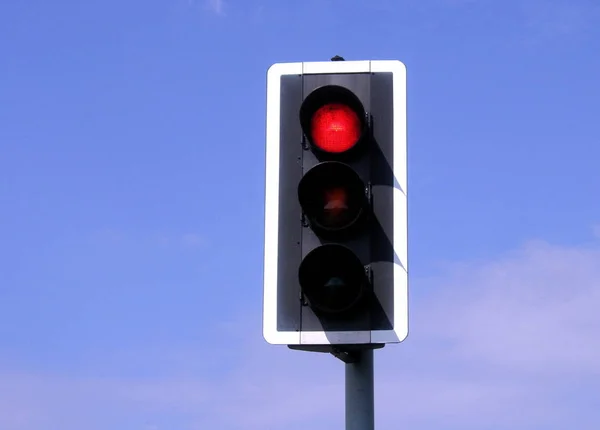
[335, 256]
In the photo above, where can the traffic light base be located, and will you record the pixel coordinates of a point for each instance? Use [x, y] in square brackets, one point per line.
[346, 353]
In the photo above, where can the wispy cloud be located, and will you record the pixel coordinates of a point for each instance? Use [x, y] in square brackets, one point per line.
[512, 342]
[216, 6]
[539, 21]
[111, 236]
[192, 239]
[548, 20]
[107, 235]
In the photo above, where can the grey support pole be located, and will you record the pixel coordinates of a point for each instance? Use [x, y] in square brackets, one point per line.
[360, 405]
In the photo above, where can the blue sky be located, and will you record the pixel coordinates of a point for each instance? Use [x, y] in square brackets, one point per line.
[131, 211]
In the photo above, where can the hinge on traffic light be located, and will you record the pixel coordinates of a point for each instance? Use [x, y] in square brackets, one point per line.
[369, 120]
[304, 143]
[369, 273]
[369, 193]
[304, 221]
[302, 298]
[347, 357]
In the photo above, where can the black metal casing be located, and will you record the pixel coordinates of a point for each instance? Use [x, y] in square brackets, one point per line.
[371, 242]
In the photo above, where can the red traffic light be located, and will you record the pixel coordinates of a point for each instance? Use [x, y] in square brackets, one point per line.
[333, 119]
[335, 127]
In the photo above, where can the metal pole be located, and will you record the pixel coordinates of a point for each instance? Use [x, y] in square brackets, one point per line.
[360, 405]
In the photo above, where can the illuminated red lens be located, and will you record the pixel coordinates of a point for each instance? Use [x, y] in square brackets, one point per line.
[335, 207]
[335, 128]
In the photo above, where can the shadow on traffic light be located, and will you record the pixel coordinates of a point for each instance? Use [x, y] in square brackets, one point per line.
[383, 173]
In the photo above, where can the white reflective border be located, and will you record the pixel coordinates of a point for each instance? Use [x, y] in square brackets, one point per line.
[400, 331]
[400, 322]
[270, 332]
[324, 67]
[335, 337]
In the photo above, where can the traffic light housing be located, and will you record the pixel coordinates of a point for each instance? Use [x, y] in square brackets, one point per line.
[335, 262]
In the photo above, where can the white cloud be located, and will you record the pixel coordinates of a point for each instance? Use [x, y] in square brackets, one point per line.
[34, 402]
[513, 342]
[535, 310]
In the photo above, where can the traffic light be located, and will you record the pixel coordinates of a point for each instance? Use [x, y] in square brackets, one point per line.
[335, 256]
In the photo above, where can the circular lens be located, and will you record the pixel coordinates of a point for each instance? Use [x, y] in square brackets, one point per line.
[332, 278]
[335, 127]
[332, 196]
[333, 119]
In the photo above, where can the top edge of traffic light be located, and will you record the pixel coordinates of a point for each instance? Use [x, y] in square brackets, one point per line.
[325, 67]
